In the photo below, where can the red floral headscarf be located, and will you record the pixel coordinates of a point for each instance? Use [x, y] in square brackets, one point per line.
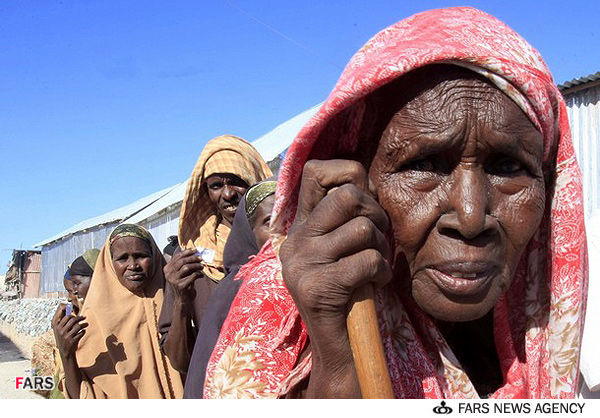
[538, 321]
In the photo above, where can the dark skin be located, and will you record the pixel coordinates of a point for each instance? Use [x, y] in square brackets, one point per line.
[81, 285]
[261, 219]
[472, 160]
[225, 191]
[132, 261]
[68, 330]
[70, 288]
[181, 272]
[68, 284]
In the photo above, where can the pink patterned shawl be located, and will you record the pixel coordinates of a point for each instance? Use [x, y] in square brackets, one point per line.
[538, 321]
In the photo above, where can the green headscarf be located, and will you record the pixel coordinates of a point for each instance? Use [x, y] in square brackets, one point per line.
[256, 194]
[130, 230]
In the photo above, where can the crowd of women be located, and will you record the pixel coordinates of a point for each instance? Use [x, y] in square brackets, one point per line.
[438, 181]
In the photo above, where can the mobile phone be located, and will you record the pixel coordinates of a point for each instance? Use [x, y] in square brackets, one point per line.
[69, 309]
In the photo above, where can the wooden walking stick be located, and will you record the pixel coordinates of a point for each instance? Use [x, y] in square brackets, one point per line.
[367, 348]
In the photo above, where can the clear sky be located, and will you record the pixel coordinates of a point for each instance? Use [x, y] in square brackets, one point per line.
[105, 101]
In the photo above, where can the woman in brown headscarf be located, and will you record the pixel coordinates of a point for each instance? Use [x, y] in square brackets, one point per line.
[118, 355]
[227, 166]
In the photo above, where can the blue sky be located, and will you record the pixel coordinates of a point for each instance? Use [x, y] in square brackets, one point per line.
[103, 102]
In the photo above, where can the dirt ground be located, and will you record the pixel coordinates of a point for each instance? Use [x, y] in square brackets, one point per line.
[14, 361]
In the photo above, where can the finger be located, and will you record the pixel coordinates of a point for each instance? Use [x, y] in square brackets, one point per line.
[78, 336]
[60, 312]
[65, 320]
[373, 189]
[186, 253]
[342, 205]
[318, 177]
[354, 236]
[76, 328]
[182, 254]
[192, 259]
[71, 320]
[367, 266]
[189, 269]
[189, 280]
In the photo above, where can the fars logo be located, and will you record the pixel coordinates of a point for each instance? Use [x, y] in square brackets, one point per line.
[34, 382]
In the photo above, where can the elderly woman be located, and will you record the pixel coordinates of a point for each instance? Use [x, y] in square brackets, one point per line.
[112, 351]
[227, 166]
[440, 170]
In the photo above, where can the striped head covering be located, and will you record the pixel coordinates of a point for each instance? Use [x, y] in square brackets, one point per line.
[130, 230]
[199, 223]
[256, 194]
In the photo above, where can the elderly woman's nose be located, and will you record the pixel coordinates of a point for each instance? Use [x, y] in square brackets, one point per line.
[469, 203]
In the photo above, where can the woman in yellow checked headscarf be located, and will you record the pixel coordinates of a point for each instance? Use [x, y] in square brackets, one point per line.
[226, 162]
[227, 166]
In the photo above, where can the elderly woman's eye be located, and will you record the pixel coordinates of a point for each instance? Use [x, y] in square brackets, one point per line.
[505, 166]
[423, 164]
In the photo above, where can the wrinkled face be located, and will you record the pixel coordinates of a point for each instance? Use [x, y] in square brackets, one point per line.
[225, 192]
[459, 171]
[260, 220]
[132, 260]
[81, 285]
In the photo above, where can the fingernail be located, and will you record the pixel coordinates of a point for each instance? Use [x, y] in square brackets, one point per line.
[372, 188]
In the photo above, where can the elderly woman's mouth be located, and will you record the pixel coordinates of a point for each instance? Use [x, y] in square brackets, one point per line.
[462, 278]
[136, 277]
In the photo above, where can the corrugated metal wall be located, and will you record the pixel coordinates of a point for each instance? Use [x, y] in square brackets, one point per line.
[58, 255]
[584, 115]
[163, 226]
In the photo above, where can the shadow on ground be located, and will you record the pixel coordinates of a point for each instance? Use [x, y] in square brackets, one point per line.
[9, 351]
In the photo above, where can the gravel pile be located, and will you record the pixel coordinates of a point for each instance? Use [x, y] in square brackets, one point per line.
[29, 316]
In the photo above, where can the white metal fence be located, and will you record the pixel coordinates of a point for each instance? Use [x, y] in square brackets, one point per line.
[583, 108]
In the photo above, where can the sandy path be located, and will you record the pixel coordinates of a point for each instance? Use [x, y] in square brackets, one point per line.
[12, 364]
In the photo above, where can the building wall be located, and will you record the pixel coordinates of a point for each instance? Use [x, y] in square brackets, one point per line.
[32, 274]
[58, 255]
[163, 225]
[583, 109]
